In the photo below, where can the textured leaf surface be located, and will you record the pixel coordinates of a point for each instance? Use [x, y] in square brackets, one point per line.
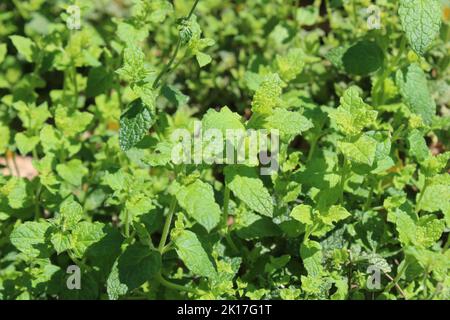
[194, 256]
[415, 92]
[353, 115]
[245, 185]
[198, 201]
[421, 21]
[134, 124]
[361, 150]
[288, 123]
[267, 95]
[30, 238]
[84, 235]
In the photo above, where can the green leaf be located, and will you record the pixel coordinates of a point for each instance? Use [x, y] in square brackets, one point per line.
[60, 241]
[174, 95]
[363, 58]
[198, 201]
[245, 185]
[134, 69]
[84, 235]
[436, 196]
[421, 21]
[134, 124]
[30, 239]
[303, 214]
[26, 144]
[138, 264]
[72, 171]
[194, 256]
[353, 115]
[334, 214]
[72, 122]
[32, 116]
[291, 64]
[3, 52]
[17, 192]
[99, 81]
[25, 46]
[71, 213]
[203, 59]
[417, 145]
[289, 123]
[415, 92]
[222, 120]
[429, 230]
[362, 150]
[422, 232]
[268, 94]
[114, 286]
[311, 253]
[4, 141]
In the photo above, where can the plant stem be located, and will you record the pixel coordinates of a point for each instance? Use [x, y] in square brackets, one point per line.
[422, 192]
[175, 52]
[175, 286]
[226, 200]
[397, 278]
[167, 224]
[192, 9]
[343, 179]
[16, 167]
[127, 223]
[168, 65]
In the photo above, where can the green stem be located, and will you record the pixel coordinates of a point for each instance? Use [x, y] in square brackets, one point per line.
[354, 13]
[192, 9]
[368, 202]
[177, 287]
[343, 180]
[165, 233]
[397, 278]
[75, 86]
[16, 167]
[422, 192]
[312, 149]
[226, 200]
[127, 223]
[37, 211]
[168, 65]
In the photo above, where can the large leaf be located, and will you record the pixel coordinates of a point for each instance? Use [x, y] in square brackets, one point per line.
[421, 21]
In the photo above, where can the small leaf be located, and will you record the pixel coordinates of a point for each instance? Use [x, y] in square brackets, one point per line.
[25, 46]
[267, 95]
[84, 235]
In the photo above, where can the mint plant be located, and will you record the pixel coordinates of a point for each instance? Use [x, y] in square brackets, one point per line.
[210, 150]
